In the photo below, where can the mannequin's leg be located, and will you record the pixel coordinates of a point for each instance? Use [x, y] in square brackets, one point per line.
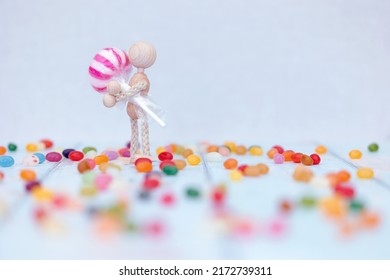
[145, 136]
[134, 139]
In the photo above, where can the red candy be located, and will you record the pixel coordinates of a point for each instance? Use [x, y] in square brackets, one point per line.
[165, 163]
[316, 158]
[165, 156]
[345, 191]
[142, 159]
[151, 183]
[297, 157]
[279, 149]
[242, 167]
[167, 199]
[218, 196]
[48, 143]
[76, 156]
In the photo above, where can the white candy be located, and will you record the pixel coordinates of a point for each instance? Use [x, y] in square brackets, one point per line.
[214, 157]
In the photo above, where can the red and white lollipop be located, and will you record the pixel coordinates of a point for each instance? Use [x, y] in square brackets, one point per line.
[107, 65]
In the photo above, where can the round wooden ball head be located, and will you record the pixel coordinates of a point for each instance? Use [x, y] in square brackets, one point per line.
[142, 55]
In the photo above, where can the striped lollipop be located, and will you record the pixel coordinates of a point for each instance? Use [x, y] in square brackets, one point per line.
[108, 64]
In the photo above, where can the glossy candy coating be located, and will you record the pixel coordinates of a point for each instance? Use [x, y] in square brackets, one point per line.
[48, 143]
[235, 175]
[170, 170]
[230, 163]
[6, 161]
[165, 156]
[193, 159]
[87, 149]
[76, 156]
[306, 160]
[192, 192]
[144, 167]
[180, 164]
[31, 147]
[316, 159]
[271, 153]
[252, 171]
[53, 157]
[255, 151]
[28, 175]
[365, 173]
[279, 149]
[321, 150]
[224, 151]
[86, 165]
[186, 153]
[66, 152]
[296, 157]
[142, 159]
[100, 159]
[288, 154]
[374, 147]
[278, 158]
[3, 150]
[41, 157]
[240, 150]
[112, 155]
[355, 154]
[264, 169]
[12, 147]
[167, 162]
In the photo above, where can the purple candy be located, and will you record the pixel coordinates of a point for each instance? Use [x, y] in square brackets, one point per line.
[126, 153]
[53, 157]
[32, 185]
[111, 155]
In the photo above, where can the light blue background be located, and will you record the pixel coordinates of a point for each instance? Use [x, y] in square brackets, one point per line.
[241, 70]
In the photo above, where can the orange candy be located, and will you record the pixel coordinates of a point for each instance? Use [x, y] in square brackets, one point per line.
[333, 207]
[321, 150]
[264, 169]
[100, 159]
[240, 150]
[28, 175]
[3, 150]
[144, 167]
[287, 155]
[253, 171]
[212, 148]
[186, 153]
[271, 153]
[369, 220]
[180, 164]
[230, 163]
[306, 160]
[302, 174]
[343, 176]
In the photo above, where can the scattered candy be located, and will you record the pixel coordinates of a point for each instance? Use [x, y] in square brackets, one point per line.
[100, 159]
[193, 159]
[170, 170]
[6, 161]
[53, 157]
[374, 147]
[240, 150]
[365, 173]
[66, 152]
[31, 147]
[230, 163]
[316, 159]
[3, 150]
[192, 192]
[321, 150]
[28, 175]
[255, 151]
[75, 156]
[144, 166]
[297, 157]
[214, 157]
[41, 157]
[12, 147]
[278, 158]
[355, 154]
[235, 175]
[165, 156]
[306, 160]
[180, 164]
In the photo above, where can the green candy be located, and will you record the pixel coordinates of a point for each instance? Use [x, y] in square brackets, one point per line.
[356, 206]
[170, 170]
[12, 147]
[373, 147]
[87, 149]
[192, 193]
[308, 202]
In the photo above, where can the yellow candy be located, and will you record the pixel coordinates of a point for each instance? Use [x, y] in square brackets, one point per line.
[42, 194]
[355, 154]
[321, 150]
[232, 146]
[88, 191]
[159, 150]
[235, 175]
[193, 159]
[255, 151]
[365, 173]
[333, 207]
[31, 147]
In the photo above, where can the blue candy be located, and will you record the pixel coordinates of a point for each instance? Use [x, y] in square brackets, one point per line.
[41, 157]
[6, 161]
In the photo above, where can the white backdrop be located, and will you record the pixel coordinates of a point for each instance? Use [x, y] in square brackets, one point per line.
[231, 69]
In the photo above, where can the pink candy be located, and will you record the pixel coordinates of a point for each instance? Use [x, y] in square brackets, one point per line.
[107, 64]
[53, 157]
[278, 158]
[102, 181]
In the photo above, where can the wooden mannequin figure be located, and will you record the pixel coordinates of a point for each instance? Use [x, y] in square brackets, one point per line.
[142, 55]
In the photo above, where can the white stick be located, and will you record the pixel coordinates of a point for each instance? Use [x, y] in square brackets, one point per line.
[143, 106]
